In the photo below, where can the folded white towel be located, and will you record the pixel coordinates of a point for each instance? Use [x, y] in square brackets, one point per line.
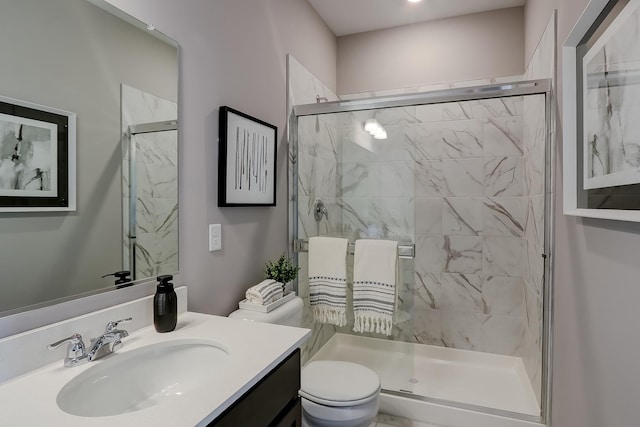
[264, 292]
[328, 279]
[374, 285]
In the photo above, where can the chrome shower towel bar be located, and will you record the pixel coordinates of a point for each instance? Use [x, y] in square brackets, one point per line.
[405, 250]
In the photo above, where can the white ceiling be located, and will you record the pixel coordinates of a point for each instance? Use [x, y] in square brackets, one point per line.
[355, 16]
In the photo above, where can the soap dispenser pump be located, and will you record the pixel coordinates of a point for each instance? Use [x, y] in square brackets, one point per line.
[122, 279]
[165, 305]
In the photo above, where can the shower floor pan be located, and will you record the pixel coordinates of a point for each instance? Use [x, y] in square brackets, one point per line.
[467, 377]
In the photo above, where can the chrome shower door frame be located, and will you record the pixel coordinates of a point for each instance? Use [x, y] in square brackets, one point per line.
[500, 90]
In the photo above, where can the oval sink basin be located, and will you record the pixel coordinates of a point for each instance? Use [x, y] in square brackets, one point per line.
[144, 377]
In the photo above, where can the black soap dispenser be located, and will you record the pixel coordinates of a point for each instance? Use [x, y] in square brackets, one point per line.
[122, 279]
[165, 305]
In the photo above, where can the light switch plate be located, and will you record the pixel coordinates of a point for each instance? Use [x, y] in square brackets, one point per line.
[215, 237]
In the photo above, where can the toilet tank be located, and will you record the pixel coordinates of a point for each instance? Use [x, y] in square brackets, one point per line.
[288, 314]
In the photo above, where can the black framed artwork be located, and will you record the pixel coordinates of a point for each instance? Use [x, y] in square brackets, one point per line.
[246, 160]
[37, 157]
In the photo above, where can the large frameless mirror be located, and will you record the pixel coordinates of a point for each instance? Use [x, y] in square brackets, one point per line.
[120, 79]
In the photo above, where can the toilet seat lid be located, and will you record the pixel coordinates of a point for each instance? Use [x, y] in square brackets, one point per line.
[338, 383]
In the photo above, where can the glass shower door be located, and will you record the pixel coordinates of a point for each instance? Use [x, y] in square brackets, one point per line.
[365, 185]
[467, 180]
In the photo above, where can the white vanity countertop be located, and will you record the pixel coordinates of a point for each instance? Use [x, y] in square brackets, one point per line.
[254, 349]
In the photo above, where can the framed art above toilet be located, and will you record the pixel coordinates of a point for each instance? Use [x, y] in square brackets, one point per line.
[246, 160]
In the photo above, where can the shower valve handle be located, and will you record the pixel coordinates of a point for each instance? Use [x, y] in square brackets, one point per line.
[320, 210]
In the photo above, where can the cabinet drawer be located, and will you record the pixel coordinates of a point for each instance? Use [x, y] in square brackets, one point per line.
[260, 406]
[291, 416]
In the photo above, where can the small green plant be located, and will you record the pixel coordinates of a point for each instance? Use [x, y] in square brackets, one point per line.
[283, 270]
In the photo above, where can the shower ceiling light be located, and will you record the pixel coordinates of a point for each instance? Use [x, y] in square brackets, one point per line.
[375, 129]
[380, 135]
[371, 125]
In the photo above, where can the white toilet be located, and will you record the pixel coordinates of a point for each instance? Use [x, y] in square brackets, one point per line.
[333, 393]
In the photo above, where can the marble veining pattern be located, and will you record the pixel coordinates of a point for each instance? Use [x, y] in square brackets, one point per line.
[429, 289]
[157, 148]
[465, 182]
[462, 216]
[462, 254]
[156, 215]
[504, 176]
[429, 179]
[463, 292]
[504, 296]
[503, 136]
[503, 256]
[461, 329]
[156, 169]
[464, 177]
[505, 216]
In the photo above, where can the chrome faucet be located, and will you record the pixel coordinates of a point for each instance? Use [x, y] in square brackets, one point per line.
[108, 342]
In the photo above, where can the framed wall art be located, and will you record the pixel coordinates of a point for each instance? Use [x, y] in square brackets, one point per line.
[247, 160]
[601, 134]
[37, 157]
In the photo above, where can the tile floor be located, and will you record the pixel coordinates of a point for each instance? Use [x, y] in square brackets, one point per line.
[386, 420]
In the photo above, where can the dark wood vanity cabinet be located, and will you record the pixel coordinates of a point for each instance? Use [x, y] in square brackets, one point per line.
[272, 402]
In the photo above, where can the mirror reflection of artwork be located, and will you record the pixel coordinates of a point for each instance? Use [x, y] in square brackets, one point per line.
[611, 99]
[27, 157]
[37, 152]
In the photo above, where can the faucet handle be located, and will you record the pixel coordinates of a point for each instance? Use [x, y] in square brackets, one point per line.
[112, 325]
[75, 351]
[74, 340]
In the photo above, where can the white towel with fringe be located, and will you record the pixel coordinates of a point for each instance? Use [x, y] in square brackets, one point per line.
[375, 268]
[328, 279]
[265, 292]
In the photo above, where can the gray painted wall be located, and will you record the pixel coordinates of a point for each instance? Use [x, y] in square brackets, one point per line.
[470, 47]
[73, 56]
[596, 290]
[233, 52]
[596, 345]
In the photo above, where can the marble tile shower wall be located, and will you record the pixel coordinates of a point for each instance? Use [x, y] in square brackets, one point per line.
[157, 184]
[450, 177]
[316, 162]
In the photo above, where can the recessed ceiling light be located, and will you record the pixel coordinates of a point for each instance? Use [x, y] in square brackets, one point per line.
[415, 1]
